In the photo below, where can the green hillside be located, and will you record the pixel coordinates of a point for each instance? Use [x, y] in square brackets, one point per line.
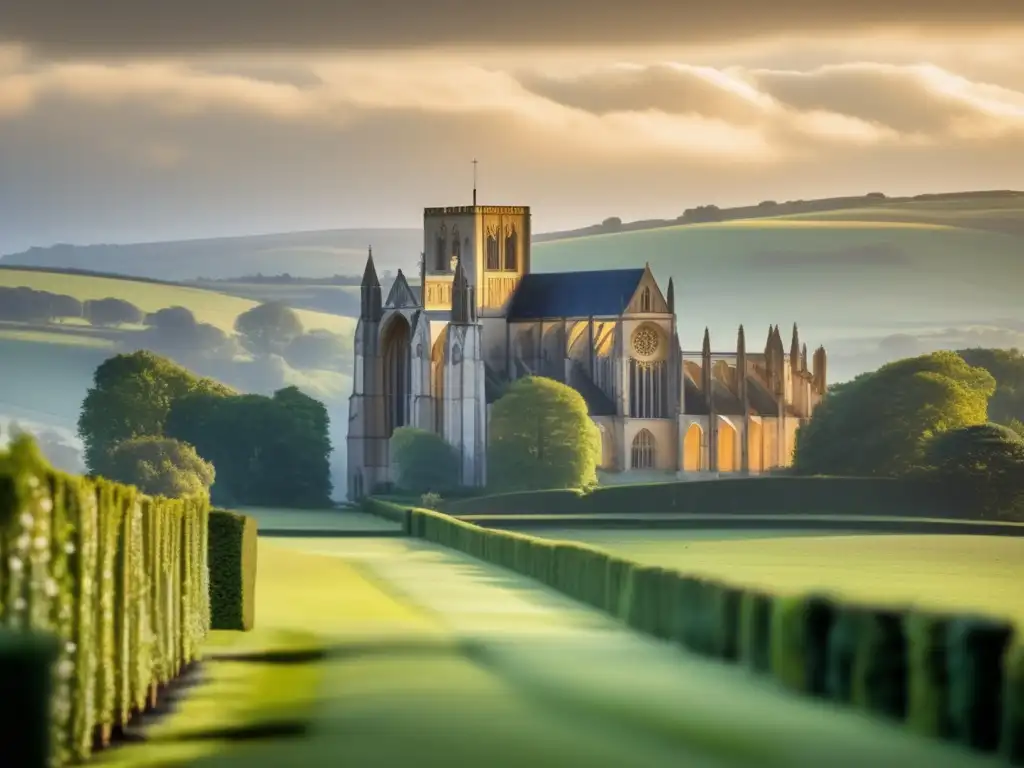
[215, 308]
[926, 273]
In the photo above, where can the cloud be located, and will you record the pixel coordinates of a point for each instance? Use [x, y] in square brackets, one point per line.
[133, 149]
[129, 26]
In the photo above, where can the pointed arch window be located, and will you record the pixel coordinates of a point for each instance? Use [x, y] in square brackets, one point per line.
[643, 450]
[645, 300]
[511, 248]
[441, 249]
[456, 247]
[493, 253]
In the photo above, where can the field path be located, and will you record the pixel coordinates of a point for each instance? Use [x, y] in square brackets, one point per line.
[548, 681]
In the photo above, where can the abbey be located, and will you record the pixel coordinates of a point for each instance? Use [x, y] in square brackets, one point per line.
[437, 358]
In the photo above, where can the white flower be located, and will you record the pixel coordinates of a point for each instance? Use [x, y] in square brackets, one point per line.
[23, 543]
[66, 668]
[20, 604]
[70, 647]
[42, 543]
[46, 505]
[69, 548]
[26, 520]
[50, 587]
[15, 564]
[33, 482]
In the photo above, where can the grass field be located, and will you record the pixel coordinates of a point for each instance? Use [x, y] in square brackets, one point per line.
[549, 682]
[969, 573]
[338, 299]
[208, 306]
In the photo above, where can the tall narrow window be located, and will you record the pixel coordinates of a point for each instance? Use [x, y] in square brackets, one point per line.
[645, 300]
[493, 254]
[511, 243]
[643, 450]
[456, 247]
[441, 249]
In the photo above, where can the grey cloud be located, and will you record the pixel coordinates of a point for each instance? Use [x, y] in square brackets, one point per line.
[893, 96]
[129, 26]
[670, 89]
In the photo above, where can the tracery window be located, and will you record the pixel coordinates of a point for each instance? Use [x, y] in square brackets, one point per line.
[493, 253]
[645, 300]
[441, 249]
[511, 245]
[643, 450]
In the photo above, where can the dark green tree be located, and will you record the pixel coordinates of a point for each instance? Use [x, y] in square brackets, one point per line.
[1007, 368]
[425, 461]
[985, 462]
[319, 349]
[160, 467]
[268, 328]
[541, 436]
[111, 311]
[879, 423]
[131, 397]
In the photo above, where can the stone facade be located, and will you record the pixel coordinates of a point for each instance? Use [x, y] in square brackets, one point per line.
[435, 359]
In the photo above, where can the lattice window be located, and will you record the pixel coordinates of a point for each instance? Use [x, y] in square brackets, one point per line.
[643, 450]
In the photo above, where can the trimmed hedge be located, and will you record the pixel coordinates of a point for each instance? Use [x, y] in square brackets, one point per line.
[774, 495]
[232, 551]
[117, 578]
[953, 677]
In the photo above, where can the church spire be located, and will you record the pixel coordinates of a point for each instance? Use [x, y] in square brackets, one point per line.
[741, 369]
[670, 297]
[803, 358]
[706, 349]
[370, 300]
[794, 350]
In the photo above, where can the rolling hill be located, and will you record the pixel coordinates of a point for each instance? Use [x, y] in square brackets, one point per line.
[872, 282]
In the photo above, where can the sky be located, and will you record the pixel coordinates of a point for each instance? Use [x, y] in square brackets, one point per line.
[123, 121]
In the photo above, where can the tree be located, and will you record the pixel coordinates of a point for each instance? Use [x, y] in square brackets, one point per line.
[176, 318]
[879, 423]
[985, 459]
[160, 467]
[425, 460]
[268, 327]
[110, 312]
[318, 349]
[270, 451]
[1007, 368]
[1017, 426]
[131, 397]
[541, 436]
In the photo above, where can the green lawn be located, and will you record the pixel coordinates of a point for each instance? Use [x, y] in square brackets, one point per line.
[549, 682]
[208, 306]
[970, 573]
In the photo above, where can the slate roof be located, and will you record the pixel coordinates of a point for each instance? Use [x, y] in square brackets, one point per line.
[598, 403]
[600, 293]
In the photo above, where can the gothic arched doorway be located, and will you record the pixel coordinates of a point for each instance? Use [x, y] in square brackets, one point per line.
[727, 441]
[397, 373]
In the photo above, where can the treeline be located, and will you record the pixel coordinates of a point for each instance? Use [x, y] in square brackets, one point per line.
[931, 415]
[269, 328]
[154, 424]
[706, 214]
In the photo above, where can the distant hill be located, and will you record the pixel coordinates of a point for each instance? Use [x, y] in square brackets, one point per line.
[308, 254]
[328, 253]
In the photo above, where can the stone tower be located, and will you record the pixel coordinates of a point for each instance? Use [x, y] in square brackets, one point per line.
[462, 405]
[367, 443]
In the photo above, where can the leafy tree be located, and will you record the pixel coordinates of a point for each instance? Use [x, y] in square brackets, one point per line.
[987, 460]
[268, 327]
[318, 349]
[110, 312]
[175, 317]
[879, 423]
[1017, 426]
[65, 307]
[160, 467]
[425, 460]
[267, 450]
[541, 436]
[1007, 368]
[131, 397]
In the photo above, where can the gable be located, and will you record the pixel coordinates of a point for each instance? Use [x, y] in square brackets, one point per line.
[654, 299]
[549, 295]
[401, 295]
